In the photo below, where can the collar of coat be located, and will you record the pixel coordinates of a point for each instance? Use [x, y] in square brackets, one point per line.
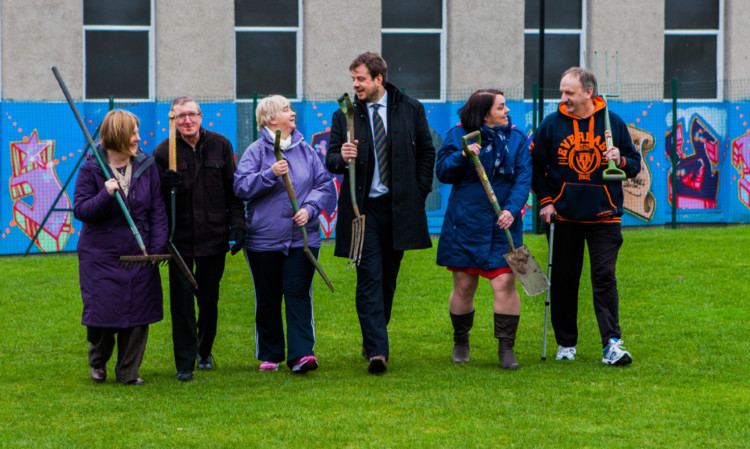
[138, 161]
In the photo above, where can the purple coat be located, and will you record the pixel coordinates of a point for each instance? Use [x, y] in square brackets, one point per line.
[119, 297]
[268, 216]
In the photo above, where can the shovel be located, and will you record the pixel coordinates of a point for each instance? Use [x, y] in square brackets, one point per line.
[145, 259]
[519, 259]
[295, 206]
[358, 223]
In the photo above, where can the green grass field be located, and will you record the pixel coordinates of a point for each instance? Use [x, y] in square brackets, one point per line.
[684, 314]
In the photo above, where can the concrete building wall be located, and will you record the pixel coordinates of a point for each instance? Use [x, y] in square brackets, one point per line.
[485, 46]
[736, 38]
[37, 34]
[335, 32]
[635, 30]
[195, 51]
[195, 45]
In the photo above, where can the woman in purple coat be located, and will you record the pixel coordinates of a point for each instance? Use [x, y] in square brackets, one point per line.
[119, 302]
[273, 244]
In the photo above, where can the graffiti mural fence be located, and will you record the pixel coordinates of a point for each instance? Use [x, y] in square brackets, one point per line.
[41, 147]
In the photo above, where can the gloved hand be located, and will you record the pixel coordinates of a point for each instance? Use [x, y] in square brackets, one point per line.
[236, 235]
[171, 179]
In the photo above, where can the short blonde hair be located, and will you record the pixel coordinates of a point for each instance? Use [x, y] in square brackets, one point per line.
[269, 108]
[116, 130]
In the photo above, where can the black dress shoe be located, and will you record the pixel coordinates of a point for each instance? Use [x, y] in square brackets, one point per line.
[377, 365]
[205, 363]
[98, 375]
[138, 381]
[184, 376]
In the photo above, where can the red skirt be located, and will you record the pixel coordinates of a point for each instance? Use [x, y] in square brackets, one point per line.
[489, 274]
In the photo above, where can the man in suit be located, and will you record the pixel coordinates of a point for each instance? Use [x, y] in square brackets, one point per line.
[394, 159]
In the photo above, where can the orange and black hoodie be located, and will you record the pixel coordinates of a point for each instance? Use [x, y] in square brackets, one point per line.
[568, 158]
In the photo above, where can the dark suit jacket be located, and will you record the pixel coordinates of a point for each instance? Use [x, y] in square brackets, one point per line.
[412, 160]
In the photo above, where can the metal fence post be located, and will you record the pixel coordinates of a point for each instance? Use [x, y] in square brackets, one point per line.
[674, 153]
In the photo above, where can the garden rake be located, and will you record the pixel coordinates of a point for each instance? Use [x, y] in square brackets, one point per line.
[358, 223]
[295, 205]
[125, 261]
[611, 173]
[173, 205]
[519, 259]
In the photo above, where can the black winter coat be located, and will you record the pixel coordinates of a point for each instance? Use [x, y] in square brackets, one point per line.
[412, 160]
[206, 204]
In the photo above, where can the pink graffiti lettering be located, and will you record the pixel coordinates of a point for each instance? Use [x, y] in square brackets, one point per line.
[741, 161]
[34, 178]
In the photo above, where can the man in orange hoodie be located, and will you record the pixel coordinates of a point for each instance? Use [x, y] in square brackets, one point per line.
[569, 155]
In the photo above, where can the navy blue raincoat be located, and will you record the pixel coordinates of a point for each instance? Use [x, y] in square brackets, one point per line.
[470, 237]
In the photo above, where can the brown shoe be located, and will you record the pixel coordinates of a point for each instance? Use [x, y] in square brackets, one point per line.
[377, 365]
[98, 375]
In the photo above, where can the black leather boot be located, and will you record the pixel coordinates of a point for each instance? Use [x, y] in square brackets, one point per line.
[505, 332]
[461, 326]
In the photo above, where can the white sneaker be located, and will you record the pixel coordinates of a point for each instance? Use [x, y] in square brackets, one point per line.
[566, 353]
[615, 354]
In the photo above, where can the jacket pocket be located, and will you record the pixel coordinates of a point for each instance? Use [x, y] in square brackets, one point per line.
[584, 202]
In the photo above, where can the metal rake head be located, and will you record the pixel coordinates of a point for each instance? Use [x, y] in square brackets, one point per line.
[606, 93]
[144, 261]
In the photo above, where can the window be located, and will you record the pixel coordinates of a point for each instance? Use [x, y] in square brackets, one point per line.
[564, 41]
[692, 48]
[268, 48]
[413, 45]
[118, 46]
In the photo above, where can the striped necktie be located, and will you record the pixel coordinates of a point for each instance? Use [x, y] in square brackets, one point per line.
[380, 145]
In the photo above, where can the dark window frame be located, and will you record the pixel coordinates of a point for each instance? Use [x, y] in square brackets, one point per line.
[149, 29]
[549, 33]
[718, 34]
[442, 33]
[297, 31]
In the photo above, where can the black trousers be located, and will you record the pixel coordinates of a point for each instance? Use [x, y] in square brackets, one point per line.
[376, 276]
[276, 275]
[191, 337]
[131, 344]
[604, 242]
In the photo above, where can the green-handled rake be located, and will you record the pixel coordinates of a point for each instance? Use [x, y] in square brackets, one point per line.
[125, 261]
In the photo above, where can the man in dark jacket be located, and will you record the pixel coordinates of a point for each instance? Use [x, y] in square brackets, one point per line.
[569, 155]
[394, 159]
[207, 216]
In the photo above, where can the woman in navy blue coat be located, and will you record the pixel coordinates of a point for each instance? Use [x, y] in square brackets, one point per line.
[472, 240]
[119, 302]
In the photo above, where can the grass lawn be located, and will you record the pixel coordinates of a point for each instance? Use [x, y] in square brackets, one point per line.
[684, 314]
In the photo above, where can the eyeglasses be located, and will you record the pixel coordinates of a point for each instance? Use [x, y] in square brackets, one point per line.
[190, 115]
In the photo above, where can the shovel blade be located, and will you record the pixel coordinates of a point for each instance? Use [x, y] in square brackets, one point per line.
[527, 270]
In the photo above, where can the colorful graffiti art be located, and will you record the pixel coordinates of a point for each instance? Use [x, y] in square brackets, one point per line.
[639, 200]
[327, 218]
[697, 174]
[34, 178]
[741, 161]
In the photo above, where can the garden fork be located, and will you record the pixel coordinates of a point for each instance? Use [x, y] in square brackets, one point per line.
[358, 223]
